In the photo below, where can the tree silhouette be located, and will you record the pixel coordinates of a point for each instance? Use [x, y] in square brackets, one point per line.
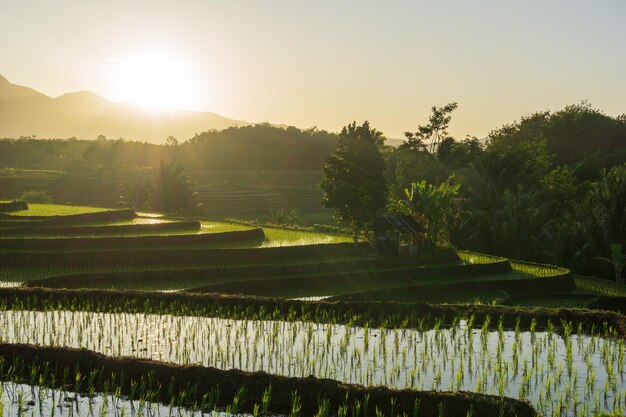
[172, 189]
[434, 132]
[617, 261]
[353, 181]
[137, 194]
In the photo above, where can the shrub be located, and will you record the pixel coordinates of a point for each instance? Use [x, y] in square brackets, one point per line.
[33, 196]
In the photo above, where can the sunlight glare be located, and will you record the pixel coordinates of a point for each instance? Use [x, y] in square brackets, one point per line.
[154, 82]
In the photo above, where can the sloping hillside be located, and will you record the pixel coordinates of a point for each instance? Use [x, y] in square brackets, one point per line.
[24, 111]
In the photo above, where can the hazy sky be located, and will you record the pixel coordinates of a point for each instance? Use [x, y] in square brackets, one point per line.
[326, 63]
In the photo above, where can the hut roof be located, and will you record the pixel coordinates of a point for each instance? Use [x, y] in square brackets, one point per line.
[401, 223]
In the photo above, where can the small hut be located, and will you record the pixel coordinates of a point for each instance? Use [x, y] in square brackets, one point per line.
[398, 235]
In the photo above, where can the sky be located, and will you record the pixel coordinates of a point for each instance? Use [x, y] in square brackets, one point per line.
[326, 63]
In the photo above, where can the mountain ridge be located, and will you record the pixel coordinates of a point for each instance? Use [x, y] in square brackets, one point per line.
[84, 114]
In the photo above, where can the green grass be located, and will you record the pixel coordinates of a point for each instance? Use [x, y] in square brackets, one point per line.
[56, 210]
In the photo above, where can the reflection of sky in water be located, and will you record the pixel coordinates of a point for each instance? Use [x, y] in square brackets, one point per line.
[580, 375]
[154, 215]
[44, 402]
[312, 240]
[149, 221]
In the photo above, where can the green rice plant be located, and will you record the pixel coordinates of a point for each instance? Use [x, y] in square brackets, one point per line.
[599, 286]
[296, 405]
[56, 210]
[265, 400]
[441, 410]
[478, 258]
[538, 270]
[214, 226]
[323, 408]
[275, 236]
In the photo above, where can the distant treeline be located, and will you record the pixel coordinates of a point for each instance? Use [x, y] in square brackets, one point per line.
[577, 135]
[258, 147]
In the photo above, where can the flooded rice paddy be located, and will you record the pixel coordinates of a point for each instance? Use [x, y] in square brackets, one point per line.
[561, 374]
[37, 401]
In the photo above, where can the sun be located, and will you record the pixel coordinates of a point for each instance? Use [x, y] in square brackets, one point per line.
[155, 82]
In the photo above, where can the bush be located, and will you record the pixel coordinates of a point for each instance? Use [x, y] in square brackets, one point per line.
[41, 197]
[283, 217]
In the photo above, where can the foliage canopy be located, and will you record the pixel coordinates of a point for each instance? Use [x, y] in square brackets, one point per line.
[353, 181]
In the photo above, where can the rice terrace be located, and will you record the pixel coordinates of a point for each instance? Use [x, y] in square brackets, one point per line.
[394, 259]
[173, 296]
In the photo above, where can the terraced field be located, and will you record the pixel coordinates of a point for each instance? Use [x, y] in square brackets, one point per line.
[186, 317]
[234, 194]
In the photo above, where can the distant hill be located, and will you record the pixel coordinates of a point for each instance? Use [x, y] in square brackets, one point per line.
[24, 112]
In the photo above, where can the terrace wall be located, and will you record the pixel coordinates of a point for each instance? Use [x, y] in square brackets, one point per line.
[100, 216]
[101, 230]
[136, 255]
[385, 277]
[197, 380]
[386, 314]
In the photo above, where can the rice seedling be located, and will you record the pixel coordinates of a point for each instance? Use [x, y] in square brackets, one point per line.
[537, 365]
[17, 399]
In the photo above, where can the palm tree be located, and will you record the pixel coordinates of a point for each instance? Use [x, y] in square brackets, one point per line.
[172, 190]
[617, 260]
[137, 194]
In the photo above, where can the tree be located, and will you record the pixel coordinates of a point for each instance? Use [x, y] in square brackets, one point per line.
[600, 218]
[353, 181]
[435, 206]
[459, 154]
[617, 261]
[428, 154]
[434, 132]
[137, 194]
[171, 141]
[569, 134]
[172, 189]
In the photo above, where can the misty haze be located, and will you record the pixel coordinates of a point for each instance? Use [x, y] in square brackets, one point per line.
[326, 209]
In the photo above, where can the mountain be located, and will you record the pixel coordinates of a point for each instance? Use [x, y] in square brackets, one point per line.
[85, 115]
